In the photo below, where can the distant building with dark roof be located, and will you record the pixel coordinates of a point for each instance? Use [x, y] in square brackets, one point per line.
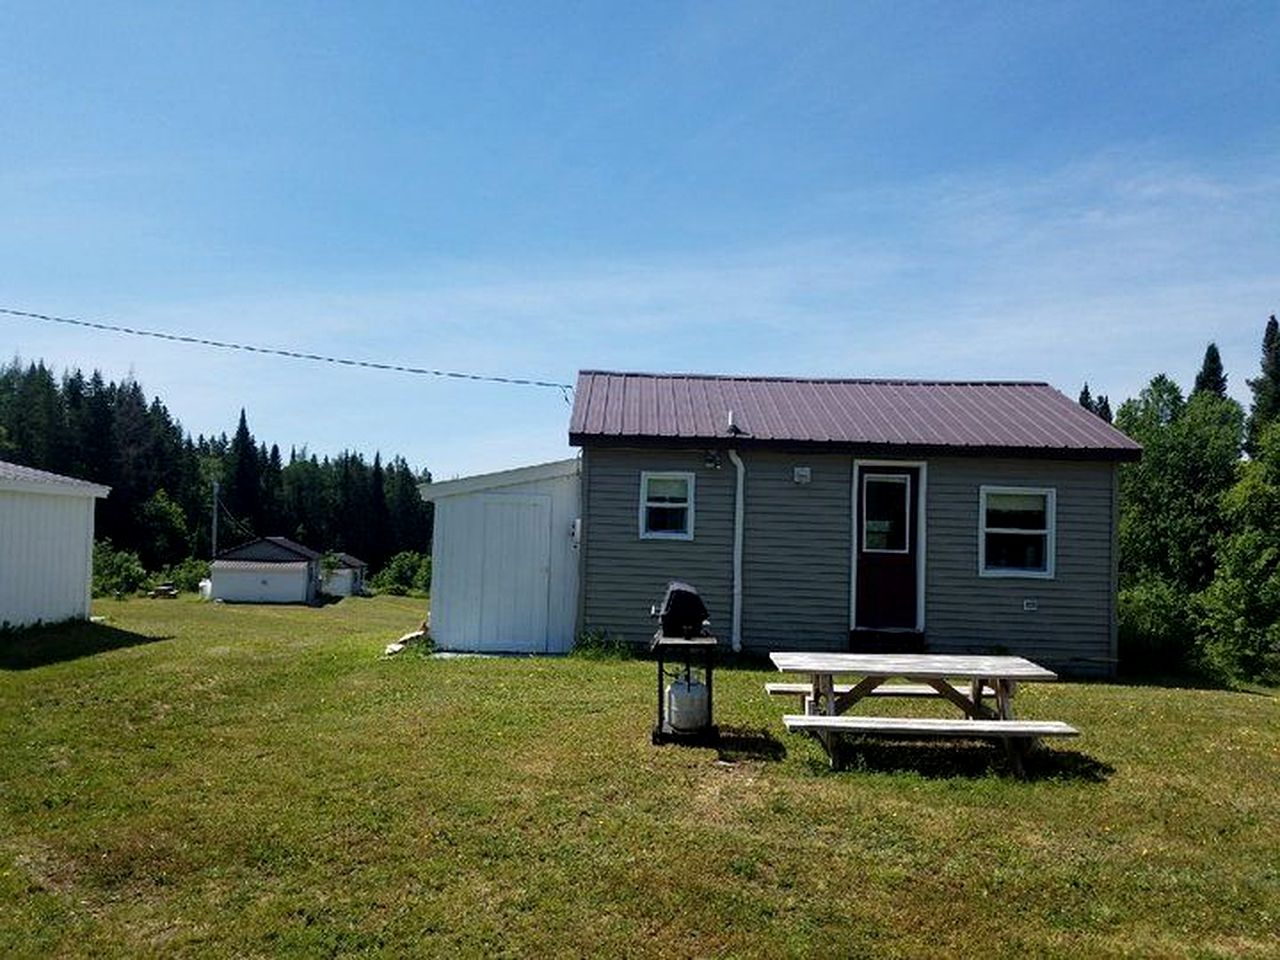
[344, 576]
[266, 570]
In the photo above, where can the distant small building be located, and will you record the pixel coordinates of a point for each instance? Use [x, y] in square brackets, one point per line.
[46, 545]
[345, 578]
[266, 570]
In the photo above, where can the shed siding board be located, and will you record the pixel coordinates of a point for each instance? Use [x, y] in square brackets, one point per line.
[459, 557]
[796, 560]
[46, 550]
[1072, 627]
[625, 575]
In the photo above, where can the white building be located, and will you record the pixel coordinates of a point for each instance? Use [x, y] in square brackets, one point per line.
[504, 574]
[345, 578]
[266, 570]
[46, 545]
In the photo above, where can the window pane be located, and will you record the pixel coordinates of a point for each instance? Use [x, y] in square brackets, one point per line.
[667, 490]
[666, 519]
[1016, 551]
[884, 526]
[1017, 511]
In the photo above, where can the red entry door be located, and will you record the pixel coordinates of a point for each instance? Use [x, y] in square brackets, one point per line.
[885, 545]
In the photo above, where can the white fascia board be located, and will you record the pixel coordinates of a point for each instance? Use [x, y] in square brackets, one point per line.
[53, 489]
[503, 478]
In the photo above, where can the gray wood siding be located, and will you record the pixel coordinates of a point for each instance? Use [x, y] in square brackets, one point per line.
[1072, 627]
[796, 561]
[624, 575]
[797, 555]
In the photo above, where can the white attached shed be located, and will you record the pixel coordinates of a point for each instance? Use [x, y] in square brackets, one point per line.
[46, 545]
[504, 575]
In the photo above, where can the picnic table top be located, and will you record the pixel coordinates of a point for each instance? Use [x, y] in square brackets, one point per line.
[920, 666]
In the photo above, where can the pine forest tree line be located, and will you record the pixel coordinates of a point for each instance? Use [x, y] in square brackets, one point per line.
[1199, 530]
[161, 478]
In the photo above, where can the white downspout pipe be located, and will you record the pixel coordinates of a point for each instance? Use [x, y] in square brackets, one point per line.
[738, 505]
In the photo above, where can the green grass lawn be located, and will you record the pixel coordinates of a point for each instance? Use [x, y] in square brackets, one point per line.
[253, 781]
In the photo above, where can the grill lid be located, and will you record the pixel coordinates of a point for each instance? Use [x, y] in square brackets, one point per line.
[682, 612]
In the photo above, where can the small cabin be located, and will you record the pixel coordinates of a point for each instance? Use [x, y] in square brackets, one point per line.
[266, 570]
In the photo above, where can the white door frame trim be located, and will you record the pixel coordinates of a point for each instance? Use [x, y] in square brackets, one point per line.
[920, 529]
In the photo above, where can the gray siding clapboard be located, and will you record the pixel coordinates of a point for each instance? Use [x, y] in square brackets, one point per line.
[797, 555]
[1071, 629]
[624, 575]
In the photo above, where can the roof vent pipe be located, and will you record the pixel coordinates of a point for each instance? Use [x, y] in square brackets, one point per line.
[738, 510]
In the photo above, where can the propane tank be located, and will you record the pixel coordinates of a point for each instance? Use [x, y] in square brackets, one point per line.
[687, 705]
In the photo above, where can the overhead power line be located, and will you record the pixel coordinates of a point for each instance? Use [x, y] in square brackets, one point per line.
[564, 388]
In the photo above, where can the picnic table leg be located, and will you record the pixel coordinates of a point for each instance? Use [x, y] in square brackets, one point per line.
[1015, 747]
[1004, 700]
[824, 688]
[975, 694]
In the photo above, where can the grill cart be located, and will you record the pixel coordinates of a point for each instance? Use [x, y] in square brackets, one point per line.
[684, 638]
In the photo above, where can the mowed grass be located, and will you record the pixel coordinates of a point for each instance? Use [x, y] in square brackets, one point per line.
[255, 781]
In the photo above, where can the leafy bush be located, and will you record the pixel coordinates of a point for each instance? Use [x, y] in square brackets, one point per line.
[1156, 632]
[405, 573]
[599, 644]
[116, 572]
[185, 575]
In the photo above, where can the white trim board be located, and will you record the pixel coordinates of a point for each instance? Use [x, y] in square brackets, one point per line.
[921, 534]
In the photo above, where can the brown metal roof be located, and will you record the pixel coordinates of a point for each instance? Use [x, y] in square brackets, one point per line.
[923, 414]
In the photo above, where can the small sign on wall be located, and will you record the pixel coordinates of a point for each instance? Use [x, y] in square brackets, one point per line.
[801, 475]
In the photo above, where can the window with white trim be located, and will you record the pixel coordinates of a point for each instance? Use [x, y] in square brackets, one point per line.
[666, 506]
[1016, 531]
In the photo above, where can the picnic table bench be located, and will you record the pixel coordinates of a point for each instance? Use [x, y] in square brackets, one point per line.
[825, 702]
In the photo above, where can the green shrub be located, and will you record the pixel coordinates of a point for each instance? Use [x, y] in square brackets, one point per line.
[116, 572]
[1239, 613]
[185, 575]
[405, 573]
[1156, 631]
[599, 644]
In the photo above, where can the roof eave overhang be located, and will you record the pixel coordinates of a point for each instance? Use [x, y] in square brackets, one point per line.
[55, 489]
[1112, 454]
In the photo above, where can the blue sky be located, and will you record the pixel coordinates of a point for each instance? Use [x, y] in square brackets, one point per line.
[1058, 191]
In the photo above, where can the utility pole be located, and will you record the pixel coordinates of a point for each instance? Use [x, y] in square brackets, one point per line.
[214, 536]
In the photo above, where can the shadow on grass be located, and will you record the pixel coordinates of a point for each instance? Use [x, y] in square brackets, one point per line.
[965, 759]
[1185, 682]
[748, 743]
[41, 646]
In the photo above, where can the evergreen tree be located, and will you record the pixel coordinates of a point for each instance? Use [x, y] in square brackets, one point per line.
[1211, 378]
[161, 500]
[1102, 407]
[1266, 387]
[1086, 399]
[243, 487]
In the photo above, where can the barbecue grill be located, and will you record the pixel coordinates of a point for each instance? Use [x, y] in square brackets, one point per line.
[684, 704]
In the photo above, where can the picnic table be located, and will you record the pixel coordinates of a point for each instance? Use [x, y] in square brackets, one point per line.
[826, 702]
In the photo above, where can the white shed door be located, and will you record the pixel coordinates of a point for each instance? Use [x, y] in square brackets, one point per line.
[516, 576]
